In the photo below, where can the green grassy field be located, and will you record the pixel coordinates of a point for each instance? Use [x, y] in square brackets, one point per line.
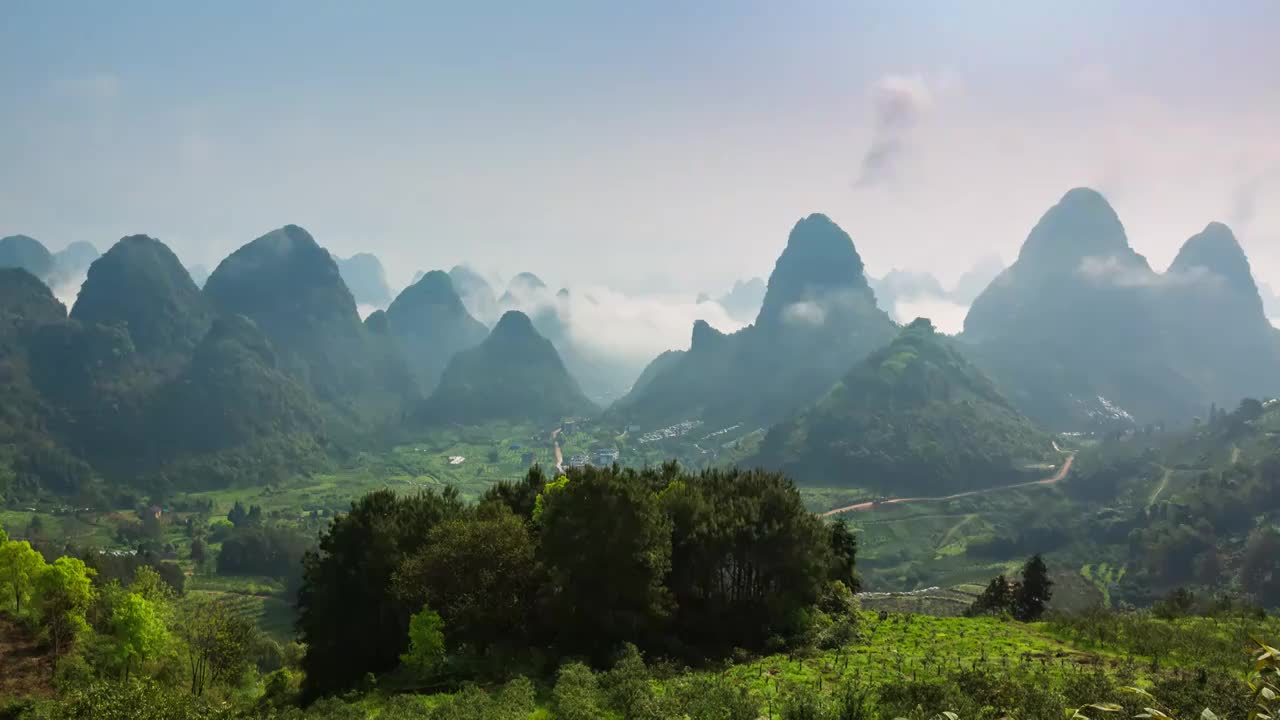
[490, 454]
[259, 599]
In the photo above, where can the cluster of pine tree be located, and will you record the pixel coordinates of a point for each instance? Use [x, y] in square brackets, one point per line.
[1024, 600]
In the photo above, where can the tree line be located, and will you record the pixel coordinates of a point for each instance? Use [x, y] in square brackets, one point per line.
[682, 565]
[115, 625]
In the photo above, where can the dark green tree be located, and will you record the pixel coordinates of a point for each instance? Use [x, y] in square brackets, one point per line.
[199, 551]
[1034, 592]
[996, 598]
[1260, 567]
[844, 550]
[747, 556]
[606, 545]
[520, 496]
[478, 573]
[237, 514]
[350, 617]
[273, 551]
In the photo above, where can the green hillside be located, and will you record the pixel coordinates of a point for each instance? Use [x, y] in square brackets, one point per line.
[914, 417]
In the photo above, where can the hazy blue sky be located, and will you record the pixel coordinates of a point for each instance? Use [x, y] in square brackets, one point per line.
[636, 144]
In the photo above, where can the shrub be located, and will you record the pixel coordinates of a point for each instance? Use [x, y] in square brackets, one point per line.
[805, 703]
[902, 699]
[713, 698]
[1188, 695]
[628, 687]
[577, 694]
[852, 702]
[515, 701]
[132, 700]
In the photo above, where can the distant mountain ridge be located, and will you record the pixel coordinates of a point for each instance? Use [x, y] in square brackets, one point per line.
[140, 284]
[1081, 327]
[141, 377]
[476, 293]
[899, 288]
[818, 316]
[72, 262]
[514, 374]
[430, 325]
[744, 299]
[23, 251]
[1218, 327]
[269, 369]
[54, 268]
[365, 278]
[292, 289]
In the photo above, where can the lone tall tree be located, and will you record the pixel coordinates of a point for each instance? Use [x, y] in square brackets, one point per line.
[1035, 591]
[844, 550]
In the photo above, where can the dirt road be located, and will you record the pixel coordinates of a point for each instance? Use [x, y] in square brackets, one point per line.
[1164, 483]
[1054, 479]
[559, 455]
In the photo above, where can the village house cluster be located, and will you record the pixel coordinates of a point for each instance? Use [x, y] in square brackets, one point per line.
[673, 431]
[603, 457]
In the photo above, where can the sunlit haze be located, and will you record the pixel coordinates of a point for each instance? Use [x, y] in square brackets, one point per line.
[654, 147]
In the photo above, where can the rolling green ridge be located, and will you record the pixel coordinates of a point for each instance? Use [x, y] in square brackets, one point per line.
[912, 418]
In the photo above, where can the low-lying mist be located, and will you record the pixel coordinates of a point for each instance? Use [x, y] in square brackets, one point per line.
[67, 290]
[615, 327]
[947, 314]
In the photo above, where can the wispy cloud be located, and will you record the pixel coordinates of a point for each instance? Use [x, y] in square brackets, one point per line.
[1110, 270]
[804, 313]
[947, 315]
[621, 328]
[898, 102]
[1245, 198]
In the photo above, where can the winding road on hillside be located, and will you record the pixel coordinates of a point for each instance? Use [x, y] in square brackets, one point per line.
[1164, 483]
[559, 455]
[1052, 480]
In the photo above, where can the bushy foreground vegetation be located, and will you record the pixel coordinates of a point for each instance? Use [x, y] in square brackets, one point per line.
[899, 667]
[607, 594]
